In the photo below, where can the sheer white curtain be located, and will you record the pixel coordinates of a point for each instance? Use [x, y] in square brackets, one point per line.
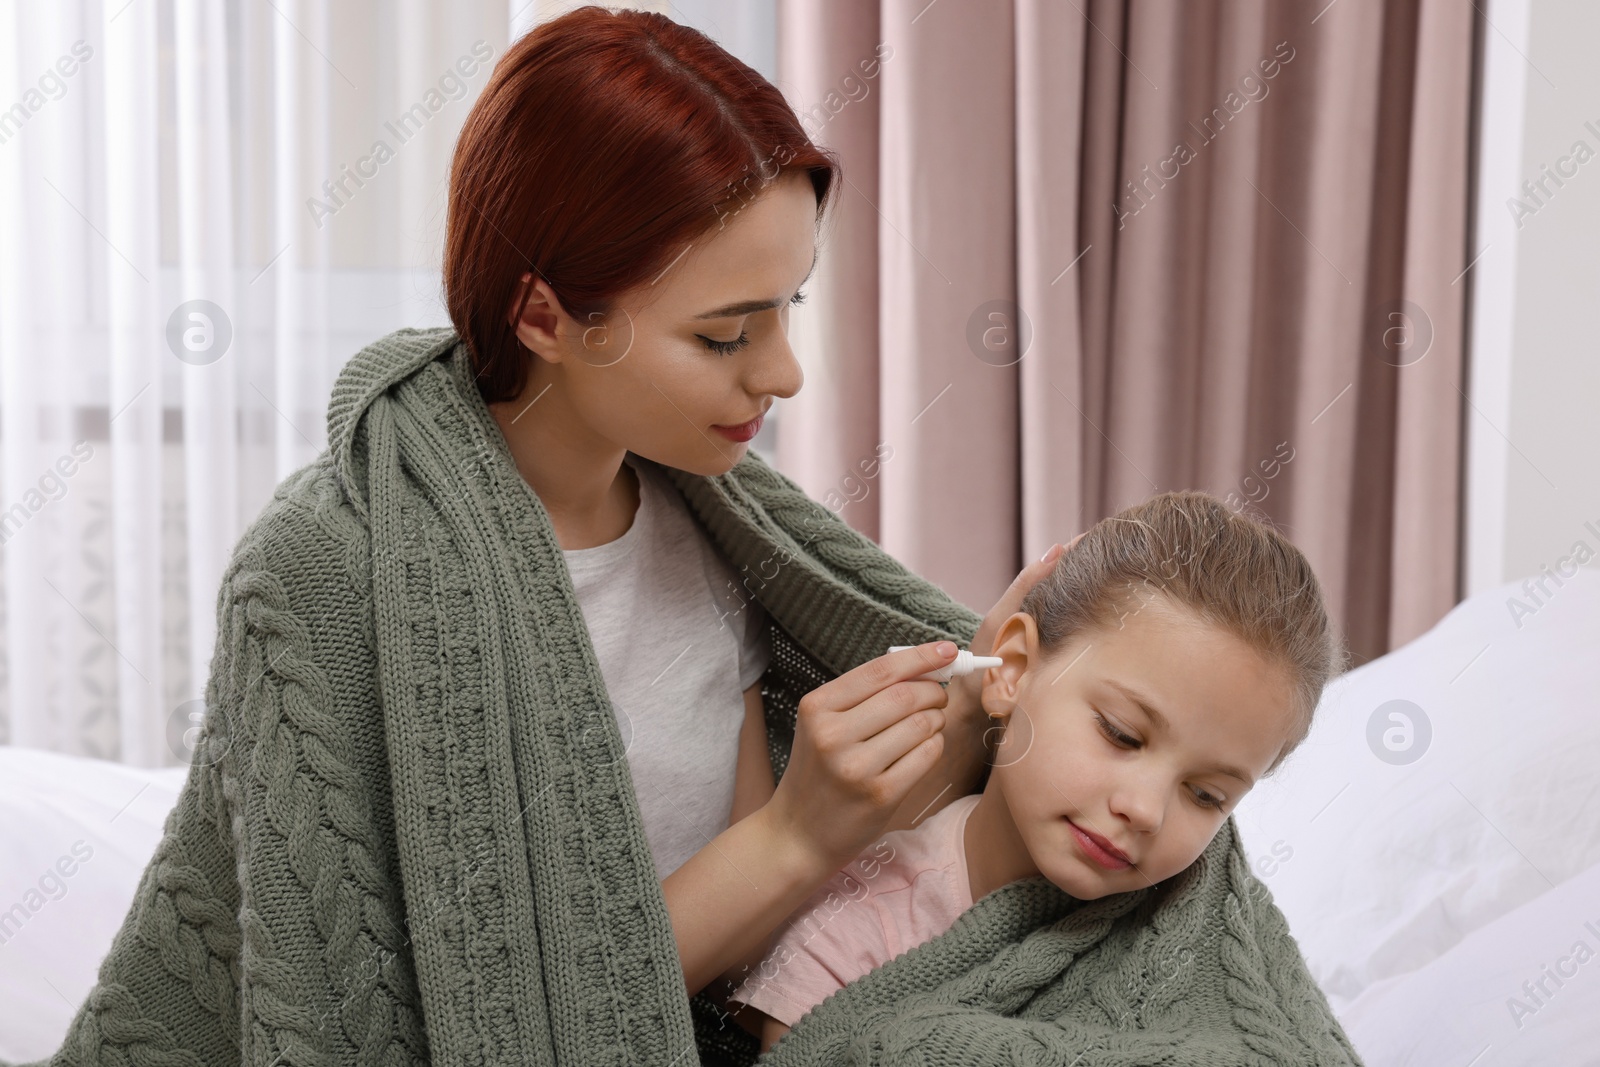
[205, 209]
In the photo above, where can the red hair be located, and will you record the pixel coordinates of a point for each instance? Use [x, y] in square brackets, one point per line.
[603, 143]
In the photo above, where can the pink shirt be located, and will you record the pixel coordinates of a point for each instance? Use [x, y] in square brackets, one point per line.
[906, 889]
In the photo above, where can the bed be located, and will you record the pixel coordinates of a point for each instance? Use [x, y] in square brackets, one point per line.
[1434, 844]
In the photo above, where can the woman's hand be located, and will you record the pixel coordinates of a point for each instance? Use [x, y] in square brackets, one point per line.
[861, 741]
[966, 730]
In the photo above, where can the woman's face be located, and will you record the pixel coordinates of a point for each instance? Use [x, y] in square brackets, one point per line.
[703, 345]
[1214, 716]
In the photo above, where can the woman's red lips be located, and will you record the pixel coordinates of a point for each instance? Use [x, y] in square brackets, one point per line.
[1099, 849]
[742, 432]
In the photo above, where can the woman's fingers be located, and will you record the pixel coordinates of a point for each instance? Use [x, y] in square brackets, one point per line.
[1010, 601]
[1026, 578]
[860, 742]
[863, 683]
[879, 712]
[884, 754]
[900, 777]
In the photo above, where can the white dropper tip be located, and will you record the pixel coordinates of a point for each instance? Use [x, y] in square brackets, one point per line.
[964, 663]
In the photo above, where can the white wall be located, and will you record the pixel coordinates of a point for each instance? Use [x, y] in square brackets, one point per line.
[1533, 488]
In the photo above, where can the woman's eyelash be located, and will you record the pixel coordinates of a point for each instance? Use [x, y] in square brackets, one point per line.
[1116, 736]
[729, 347]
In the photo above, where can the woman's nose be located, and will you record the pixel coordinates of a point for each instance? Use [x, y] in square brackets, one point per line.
[778, 373]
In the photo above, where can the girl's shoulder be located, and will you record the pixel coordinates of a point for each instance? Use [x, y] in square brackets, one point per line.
[902, 858]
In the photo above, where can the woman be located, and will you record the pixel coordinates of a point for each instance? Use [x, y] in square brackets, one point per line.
[417, 829]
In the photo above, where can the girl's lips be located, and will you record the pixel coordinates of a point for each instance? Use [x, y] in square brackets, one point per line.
[1097, 850]
[742, 432]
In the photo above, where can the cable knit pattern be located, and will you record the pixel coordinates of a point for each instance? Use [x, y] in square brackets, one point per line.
[410, 835]
[1197, 971]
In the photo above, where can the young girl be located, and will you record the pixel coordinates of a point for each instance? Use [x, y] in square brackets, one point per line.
[1172, 658]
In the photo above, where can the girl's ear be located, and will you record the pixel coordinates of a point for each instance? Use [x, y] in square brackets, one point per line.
[1017, 645]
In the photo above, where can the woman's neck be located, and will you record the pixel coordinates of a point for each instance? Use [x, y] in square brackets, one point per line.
[590, 494]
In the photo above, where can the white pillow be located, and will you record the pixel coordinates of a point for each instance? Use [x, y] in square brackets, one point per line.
[1381, 867]
[75, 835]
[1521, 988]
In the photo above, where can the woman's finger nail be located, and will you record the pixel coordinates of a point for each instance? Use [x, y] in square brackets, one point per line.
[1051, 553]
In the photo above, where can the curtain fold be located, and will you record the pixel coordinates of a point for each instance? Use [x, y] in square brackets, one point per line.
[1029, 311]
[1125, 246]
[831, 63]
[134, 424]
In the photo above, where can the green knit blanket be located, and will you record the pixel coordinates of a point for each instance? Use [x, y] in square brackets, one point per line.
[1198, 971]
[410, 836]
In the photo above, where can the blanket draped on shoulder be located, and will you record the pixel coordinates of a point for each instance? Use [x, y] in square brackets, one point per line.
[1197, 971]
[409, 834]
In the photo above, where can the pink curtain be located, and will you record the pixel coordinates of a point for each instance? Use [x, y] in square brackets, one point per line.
[1090, 251]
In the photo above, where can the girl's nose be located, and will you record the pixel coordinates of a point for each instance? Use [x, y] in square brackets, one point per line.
[1140, 805]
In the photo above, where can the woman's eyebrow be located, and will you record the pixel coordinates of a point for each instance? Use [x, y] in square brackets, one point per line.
[749, 307]
[1160, 722]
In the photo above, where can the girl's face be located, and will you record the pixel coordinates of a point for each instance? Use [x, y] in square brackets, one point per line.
[702, 346]
[1144, 734]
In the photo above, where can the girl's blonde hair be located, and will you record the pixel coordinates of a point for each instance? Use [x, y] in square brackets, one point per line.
[1227, 569]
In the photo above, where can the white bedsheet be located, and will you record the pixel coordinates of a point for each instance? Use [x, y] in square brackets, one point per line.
[1423, 894]
[1413, 887]
[75, 834]
[1523, 991]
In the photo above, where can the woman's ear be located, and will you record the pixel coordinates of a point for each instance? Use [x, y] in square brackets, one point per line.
[536, 325]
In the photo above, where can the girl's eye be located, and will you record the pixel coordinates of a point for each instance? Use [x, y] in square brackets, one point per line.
[729, 347]
[1115, 735]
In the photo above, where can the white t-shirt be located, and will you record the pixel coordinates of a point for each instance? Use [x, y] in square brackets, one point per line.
[679, 641]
